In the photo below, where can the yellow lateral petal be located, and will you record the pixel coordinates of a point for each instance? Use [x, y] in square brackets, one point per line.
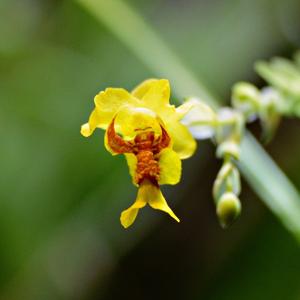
[88, 128]
[128, 216]
[132, 163]
[183, 142]
[157, 201]
[170, 167]
[110, 101]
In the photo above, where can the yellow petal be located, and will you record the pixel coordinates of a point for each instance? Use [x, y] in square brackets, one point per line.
[159, 92]
[157, 201]
[170, 167]
[128, 216]
[132, 163]
[147, 193]
[110, 101]
[183, 142]
[88, 128]
[140, 91]
[155, 93]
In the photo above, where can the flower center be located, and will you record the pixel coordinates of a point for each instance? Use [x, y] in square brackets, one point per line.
[145, 146]
[146, 150]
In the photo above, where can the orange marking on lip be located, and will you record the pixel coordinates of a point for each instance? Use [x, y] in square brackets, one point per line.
[145, 146]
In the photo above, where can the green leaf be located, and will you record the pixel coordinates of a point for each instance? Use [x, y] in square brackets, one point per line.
[282, 74]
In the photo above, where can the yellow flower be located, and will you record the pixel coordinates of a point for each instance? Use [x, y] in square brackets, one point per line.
[144, 127]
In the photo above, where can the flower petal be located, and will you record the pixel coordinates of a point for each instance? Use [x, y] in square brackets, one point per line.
[170, 167]
[183, 142]
[132, 163]
[110, 101]
[155, 93]
[147, 193]
[140, 90]
[88, 128]
[157, 201]
[128, 216]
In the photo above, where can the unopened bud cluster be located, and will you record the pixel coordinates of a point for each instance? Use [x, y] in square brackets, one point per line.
[226, 126]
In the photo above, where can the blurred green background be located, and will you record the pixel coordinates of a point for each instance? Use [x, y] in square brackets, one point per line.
[61, 194]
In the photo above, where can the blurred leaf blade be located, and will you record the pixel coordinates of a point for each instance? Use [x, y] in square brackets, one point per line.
[284, 202]
[140, 39]
[281, 198]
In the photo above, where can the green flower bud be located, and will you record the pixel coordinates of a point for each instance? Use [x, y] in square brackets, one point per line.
[245, 98]
[228, 209]
[269, 112]
[229, 148]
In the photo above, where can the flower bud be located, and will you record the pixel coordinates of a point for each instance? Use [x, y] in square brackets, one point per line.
[245, 98]
[228, 209]
[228, 148]
[199, 117]
[269, 113]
